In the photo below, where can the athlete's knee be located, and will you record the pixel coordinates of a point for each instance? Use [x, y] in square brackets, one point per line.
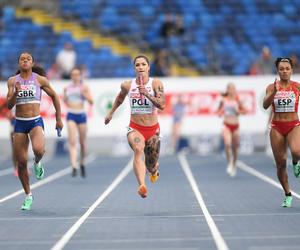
[22, 163]
[72, 143]
[82, 145]
[138, 149]
[39, 152]
[295, 153]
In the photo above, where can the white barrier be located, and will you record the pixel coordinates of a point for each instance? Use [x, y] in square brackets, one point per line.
[202, 95]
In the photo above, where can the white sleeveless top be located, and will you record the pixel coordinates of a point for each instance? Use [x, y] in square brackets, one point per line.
[74, 94]
[230, 107]
[139, 104]
[30, 91]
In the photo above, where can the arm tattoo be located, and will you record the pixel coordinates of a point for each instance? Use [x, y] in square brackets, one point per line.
[159, 99]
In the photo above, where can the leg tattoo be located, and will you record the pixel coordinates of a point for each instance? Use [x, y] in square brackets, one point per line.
[151, 151]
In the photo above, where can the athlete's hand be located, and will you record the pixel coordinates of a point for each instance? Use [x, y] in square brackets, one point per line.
[17, 88]
[142, 90]
[59, 124]
[107, 118]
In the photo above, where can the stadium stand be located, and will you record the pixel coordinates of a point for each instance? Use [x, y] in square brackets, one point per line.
[219, 38]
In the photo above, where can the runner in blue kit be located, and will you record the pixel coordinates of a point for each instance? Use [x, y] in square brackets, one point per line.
[24, 92]
[75, 96]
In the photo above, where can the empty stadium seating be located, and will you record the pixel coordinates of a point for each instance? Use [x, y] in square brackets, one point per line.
[228, 35]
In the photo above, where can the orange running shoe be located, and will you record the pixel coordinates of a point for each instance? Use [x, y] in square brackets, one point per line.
[142, 191]
[154, 177]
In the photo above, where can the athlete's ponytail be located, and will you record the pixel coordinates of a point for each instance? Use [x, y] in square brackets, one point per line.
[39, 70]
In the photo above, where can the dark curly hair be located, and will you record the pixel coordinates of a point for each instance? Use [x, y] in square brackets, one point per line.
[283, 59]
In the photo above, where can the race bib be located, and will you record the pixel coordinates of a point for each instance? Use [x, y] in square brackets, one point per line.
[285, 101]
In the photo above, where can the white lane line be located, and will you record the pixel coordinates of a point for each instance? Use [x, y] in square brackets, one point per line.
[50, 178]
[69, 234]
[220, 242]
[8, 171]
[263, 177]
[105, 217]
[145, 217]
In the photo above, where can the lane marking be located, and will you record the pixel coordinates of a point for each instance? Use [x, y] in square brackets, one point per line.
[48, 179]
[188, 216]
[198, 239]
[261, 176]
[220, 242]
[69, 234]
[8, 171]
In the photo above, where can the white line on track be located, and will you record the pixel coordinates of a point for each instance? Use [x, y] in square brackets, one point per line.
[69, 234]
[8, 171]
[263, 177]
[50, 178]
[220, 242]
[144, 216]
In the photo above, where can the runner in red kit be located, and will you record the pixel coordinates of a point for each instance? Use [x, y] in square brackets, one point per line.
[231, 107]
[145, 95]
[283, 95]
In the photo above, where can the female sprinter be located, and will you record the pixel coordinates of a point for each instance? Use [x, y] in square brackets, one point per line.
[231, 107]
[74, 96]
[24, 92]
[146, 95]
[283, 95]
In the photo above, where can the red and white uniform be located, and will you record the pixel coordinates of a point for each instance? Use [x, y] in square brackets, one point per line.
[286, 101]
[230, 107]
[141, 105]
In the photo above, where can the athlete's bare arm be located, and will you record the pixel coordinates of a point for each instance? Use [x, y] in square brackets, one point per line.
[87, 94]
[65, 96]
[242, 109]
[125, 87]
[45, 85]
[270, 94]
[220, 108]
[12, 92]
[158, 99]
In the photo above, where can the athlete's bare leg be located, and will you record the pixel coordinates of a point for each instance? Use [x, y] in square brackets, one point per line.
[21, 143]
[227, 137]
[137, 143]
[14, 158]
[151, 150]
[82, 140]
[235, 145]
[38, 143]
[294, 145]
[175, 135]
[72, 140]
[279, 148]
